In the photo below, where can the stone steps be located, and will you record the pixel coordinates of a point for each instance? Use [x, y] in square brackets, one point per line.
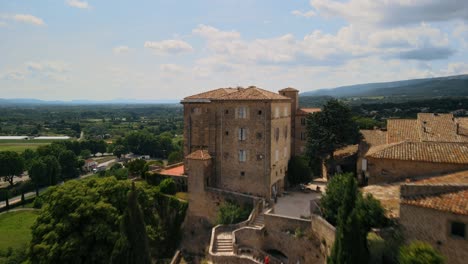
[259, 221]
[224, 243]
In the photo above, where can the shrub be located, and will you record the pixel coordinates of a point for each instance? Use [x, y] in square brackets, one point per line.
[298, 170]
[420, 253]
[168, 186]
[232, 213]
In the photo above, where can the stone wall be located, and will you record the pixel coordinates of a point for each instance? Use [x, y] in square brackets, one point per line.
[433, 226]
[324, 231]
[386, 170]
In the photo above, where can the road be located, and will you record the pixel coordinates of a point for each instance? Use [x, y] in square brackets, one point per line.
[17, 199]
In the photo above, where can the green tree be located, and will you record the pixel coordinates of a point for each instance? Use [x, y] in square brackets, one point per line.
[12, 164]
[68, 163]
[232, 213]
[298, 170]
[175, 156]
[329, 130]
[351, 235]
[132, 246]
[420, 253]
[85, 153]
[168, 186]
[53, 169]
[137, 167]
[120, 150]
[38, 174]
[28, 155]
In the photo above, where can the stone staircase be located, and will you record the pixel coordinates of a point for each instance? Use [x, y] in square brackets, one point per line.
[259, 221]
[224, 243]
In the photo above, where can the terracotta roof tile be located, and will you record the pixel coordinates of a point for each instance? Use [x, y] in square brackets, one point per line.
[402, 129]
[456, 178]
[454, 202]
[439, 128]
[455, 153]
[374, 137]
[306, 111]
[252, 93]
[212, 94]
[199, 155]
[289, 89]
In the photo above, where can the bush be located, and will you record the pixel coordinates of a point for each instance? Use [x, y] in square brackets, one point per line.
[420, 253]
[168, 186]
[232, 213]
[153, 179]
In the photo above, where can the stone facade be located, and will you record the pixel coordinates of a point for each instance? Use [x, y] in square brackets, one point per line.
[389, 170]
[427, 213]
[250, 138]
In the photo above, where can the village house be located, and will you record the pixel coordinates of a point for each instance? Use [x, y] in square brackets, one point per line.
[432, 144]
[437, 213]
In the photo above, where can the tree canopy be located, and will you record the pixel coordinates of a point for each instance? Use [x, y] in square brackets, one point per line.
[81, 221]
[420, 253]
[330, 129]
[12, 164]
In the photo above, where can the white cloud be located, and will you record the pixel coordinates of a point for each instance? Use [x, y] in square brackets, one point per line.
[121, 49]
[170, 46]
[29, 19]
[394, 12]
[310, 13]
[171, 68]
[78, 4]
[214, 33]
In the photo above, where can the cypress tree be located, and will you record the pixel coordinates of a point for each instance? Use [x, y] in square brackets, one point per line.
[351, 234]
[132, 246]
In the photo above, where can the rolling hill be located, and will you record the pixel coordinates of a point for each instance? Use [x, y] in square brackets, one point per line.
[429, 87]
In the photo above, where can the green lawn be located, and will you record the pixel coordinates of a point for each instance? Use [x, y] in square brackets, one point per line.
[20, 147]
[15, 228]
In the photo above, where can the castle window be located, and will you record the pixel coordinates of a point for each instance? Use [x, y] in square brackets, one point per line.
[259, 112]
[227, 133]
[303, 121]
[303, 136]
[458, 229]
[277, 134]
[242, 173]
[242, 134]
[259, 135]
[242, 155]
[226, 112]
[285, 152]
[196, 110]
[242, 112]
[277, 112]
[286, 132]
[276, 155]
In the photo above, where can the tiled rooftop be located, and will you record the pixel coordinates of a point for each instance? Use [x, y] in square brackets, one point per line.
[402, 129]
[199, 155]
[289, 89]
[439, 128]
[455, 153]
[456, 177]
[374, 137]
[250, 93]
[455, 201]
[306, 111]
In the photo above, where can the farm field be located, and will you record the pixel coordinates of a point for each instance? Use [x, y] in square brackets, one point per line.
[21, 145]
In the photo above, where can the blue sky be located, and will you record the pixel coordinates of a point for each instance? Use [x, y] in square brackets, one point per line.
[97, 49]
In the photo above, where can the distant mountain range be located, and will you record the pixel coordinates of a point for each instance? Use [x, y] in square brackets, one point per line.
[28, 101]
[429, 87]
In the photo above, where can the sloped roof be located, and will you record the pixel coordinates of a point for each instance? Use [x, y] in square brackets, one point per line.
[454, 201]
[199, 155]
[455, 153]
[402, 129]
[460, 177]
[212, 94]
[306, 111]
[289, 89]
[252, 93]
[374, 137]
[439, 128]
